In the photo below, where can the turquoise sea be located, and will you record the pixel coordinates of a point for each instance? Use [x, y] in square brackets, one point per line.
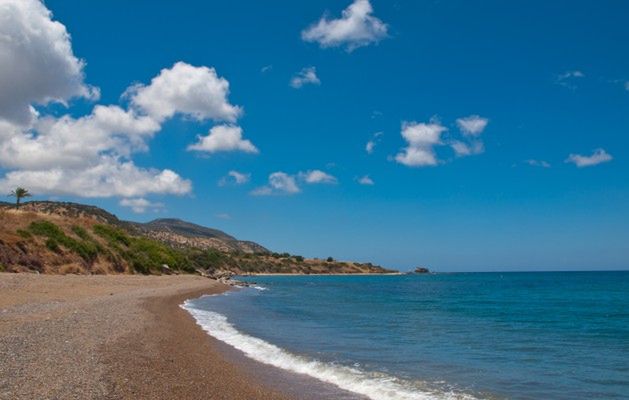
[542, 335]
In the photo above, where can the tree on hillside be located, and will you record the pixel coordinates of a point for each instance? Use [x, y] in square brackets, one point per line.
[19, 193]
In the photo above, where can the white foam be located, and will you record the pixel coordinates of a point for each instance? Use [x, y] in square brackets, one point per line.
[376, 386]
[251, 287]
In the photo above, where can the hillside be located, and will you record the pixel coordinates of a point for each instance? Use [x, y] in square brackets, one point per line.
[180, 233]
[56, 237]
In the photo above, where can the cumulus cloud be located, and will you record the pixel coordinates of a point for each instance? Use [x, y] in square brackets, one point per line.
[234, 178]
[357, 27]
[598, 156]
[471, 128]
[317, 176]
[141, 205]
[223, 138]
[105, 177]
[87, 156]
[279, 183]
[473, 125]
[538, 163]
[366, 180]
[421, 139]
[627, 86]
[306, 76]
[371, 144]
[91, 155]
[38, 64]
[67, 142]
[283, 183]
[194, 91]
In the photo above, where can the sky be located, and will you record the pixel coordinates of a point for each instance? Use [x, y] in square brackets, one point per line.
[458, 135]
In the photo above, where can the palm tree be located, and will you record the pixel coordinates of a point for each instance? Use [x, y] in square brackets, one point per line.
[19, 193]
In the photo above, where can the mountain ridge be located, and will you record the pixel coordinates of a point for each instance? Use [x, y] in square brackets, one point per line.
[66, 237]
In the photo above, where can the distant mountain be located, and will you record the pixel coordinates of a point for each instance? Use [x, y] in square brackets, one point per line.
[186, 234]
[185, 228]
[62, 237]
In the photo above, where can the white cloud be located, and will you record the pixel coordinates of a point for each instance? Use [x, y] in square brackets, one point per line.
[195, 91]
[38, 64]
[91, 155]
[598, 156]
[76, 143]
[141, 205]
[317, 176]
[366, 180]
[421, 139]
[538, 163]
[568, 78]
[462, 149]
[357, 27]
[627, 86]
[279, 183]
[471, 128]
[266, 68]
[235, 178]
[223, 216]
[572, 74]
[306, 76]
[473, 125]
[223, 138]
[371, 144]
[105, 177]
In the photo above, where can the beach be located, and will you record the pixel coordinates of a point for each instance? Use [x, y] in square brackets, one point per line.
[112, 337]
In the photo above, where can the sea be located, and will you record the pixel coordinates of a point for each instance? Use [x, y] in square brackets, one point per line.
[537, 335]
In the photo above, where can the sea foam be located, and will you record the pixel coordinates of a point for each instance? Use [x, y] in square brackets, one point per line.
[376, 386]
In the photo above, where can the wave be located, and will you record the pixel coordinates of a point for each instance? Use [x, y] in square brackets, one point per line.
[256, 287]
[376, 386]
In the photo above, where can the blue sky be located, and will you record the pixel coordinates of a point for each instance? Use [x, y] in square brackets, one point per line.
[499, 129]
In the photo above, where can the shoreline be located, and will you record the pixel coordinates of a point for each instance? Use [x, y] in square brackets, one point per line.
[333, 274]
[114, 337]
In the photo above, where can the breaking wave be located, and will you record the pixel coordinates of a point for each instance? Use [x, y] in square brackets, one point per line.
[376, 386]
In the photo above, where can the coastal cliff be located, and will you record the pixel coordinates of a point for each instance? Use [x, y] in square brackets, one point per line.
[60, 237]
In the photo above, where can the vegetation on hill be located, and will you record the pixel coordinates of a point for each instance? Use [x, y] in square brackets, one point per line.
[50, 237]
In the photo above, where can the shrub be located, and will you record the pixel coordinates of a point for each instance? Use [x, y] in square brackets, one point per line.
[81, 232]
[299, 259]
[55, 237]
[112, 235]
[45, 228]
[330, 259]
[24, 234]
[52, 245]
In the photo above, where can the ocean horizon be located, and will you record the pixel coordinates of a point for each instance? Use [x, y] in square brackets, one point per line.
[485, 335]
